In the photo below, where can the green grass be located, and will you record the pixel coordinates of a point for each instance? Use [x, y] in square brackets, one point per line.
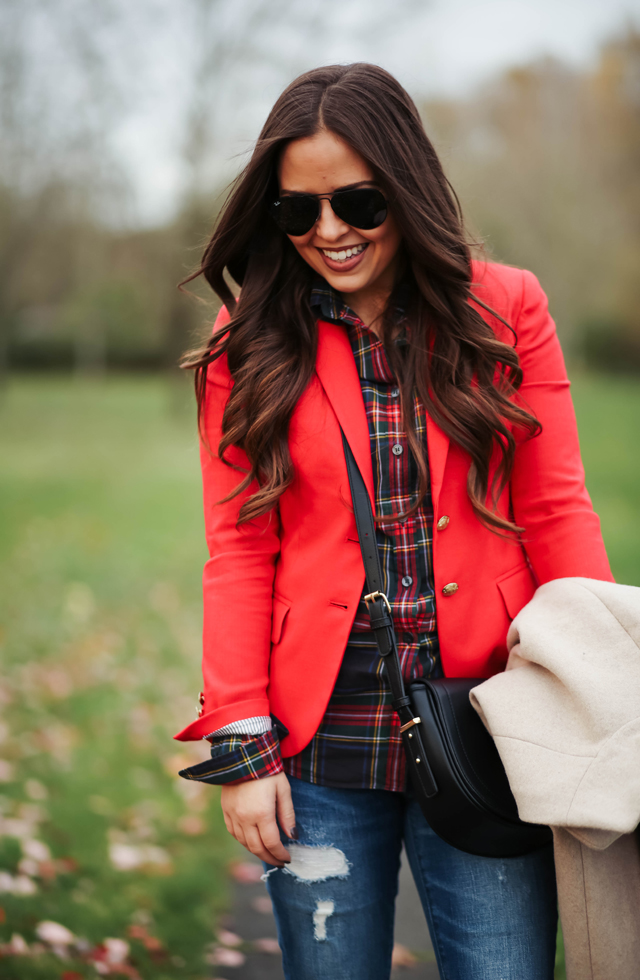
[101, 550]
[608, 410]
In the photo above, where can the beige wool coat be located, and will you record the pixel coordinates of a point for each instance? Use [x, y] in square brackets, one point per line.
[565, 716]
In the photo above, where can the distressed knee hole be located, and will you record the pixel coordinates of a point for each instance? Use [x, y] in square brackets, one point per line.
[320, 916]
[317, 863]
[314, 863]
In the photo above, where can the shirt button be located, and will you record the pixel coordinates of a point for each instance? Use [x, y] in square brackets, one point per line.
[397, 449]
[395, 392]
[442, 523]
[407, 581]
[408, 637]
[450, 588]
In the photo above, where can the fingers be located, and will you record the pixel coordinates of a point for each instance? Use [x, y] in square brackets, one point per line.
[263, 841]
[249, 811]
[239, 834]
[284, 808]
[270, 836]
[256, 845]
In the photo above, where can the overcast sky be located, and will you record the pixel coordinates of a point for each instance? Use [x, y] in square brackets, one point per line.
[447, 47]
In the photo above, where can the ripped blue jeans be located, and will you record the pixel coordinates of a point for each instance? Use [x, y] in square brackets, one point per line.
[489, 918]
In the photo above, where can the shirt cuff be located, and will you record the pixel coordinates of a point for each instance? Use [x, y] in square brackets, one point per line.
[257, 725]
[238, 758]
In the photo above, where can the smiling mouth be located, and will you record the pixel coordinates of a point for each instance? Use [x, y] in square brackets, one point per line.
[344, 254]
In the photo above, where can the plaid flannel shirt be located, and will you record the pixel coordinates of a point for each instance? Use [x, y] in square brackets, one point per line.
[358, 744]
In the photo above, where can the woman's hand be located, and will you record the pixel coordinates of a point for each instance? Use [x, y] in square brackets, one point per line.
[250, 811]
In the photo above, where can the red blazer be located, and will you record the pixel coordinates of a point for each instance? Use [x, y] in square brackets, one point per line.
[280, 594]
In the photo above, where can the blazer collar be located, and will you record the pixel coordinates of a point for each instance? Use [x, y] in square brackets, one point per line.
[336, 369]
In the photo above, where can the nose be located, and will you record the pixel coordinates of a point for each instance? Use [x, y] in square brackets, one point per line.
[329, 226]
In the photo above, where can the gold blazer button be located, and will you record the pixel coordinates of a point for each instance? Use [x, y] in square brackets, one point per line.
[450, 588]
[442, 523]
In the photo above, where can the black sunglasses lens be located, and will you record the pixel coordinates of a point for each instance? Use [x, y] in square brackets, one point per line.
[295, 215]
[364, 208]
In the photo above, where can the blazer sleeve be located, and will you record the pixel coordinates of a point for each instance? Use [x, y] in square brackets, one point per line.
[548, 494]
[237, 580]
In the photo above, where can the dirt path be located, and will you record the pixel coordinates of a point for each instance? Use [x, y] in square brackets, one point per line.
[251, 951]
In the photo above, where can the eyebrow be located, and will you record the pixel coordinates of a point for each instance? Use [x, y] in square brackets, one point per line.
[345, 187]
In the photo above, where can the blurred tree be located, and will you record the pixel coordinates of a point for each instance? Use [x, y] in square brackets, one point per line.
[546, 161]
[56, 171]
[545, 158]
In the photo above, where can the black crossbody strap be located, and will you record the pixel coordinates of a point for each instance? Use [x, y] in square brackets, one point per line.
[382, 623]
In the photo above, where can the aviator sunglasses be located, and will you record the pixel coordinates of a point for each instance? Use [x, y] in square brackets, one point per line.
[362, 207]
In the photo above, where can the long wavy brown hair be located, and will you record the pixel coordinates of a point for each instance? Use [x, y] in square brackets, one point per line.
[464, 375]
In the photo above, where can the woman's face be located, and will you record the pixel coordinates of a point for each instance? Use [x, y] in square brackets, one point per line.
[322, 164]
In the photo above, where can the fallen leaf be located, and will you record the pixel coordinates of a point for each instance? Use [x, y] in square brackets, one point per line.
[267, 945]
[47, 870]
[402, 956]
[138, 931]
[66, 865]
[35, 790]
[18, 885]
[17, 945]
[54, 933]
[127, 857]
[117, 950]
[225, 957]
[192, 824]
[36, 849]
[6, 771]
[226, 938]
[262, 903]
[246, 872]
[27, 866]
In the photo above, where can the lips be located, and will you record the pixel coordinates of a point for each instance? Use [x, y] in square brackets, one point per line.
[344, 264]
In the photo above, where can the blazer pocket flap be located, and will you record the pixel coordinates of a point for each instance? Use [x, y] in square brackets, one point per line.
[517, 588]
[280, 610]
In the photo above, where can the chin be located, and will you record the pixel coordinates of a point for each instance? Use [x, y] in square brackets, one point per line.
[344, 283]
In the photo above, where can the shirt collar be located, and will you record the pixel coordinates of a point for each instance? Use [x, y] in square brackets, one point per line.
[328, 301]
[331, 306]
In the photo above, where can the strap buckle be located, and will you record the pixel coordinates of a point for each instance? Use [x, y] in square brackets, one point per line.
[372, 596]
[410, 724]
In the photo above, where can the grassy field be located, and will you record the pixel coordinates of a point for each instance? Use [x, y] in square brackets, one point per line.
[101, 549]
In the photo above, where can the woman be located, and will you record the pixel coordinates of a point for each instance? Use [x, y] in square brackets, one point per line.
[362, 310]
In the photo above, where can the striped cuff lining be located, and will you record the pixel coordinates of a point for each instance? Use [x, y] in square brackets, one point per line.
[246, 726]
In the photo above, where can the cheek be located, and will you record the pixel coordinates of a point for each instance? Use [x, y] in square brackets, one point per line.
[388, 244]
[303, 247]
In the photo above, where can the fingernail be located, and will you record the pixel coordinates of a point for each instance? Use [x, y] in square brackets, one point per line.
[293, 833]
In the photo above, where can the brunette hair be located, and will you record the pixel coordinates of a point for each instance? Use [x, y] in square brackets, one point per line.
[463, 374]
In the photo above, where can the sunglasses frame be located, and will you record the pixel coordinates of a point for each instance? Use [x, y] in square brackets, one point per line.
[329, 197]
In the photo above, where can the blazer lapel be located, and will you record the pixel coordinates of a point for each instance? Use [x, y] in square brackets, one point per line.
[336, 369]
[438, 445]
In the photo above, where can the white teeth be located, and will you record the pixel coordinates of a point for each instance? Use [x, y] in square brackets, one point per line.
[344, 254]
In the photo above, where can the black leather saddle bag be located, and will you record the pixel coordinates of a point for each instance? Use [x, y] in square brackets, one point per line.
[456, 772]
[474, 808]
